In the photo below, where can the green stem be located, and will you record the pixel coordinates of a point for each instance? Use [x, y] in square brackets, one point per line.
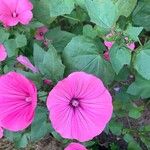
[68, 17]
[42, 96]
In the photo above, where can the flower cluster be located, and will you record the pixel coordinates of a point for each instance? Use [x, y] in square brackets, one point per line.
[109, 45]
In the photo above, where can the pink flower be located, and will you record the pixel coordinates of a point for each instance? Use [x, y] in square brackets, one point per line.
[131, 46]
[40, 33]
[80, 106]
[18, 100]
[13, 12]
[106, 55]
[26, 62]
[108, 44]
[75, 146]
[48, 82]
[3, 53]
[1, 132]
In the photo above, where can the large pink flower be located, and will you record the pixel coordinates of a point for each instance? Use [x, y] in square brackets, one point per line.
[75, 146]
[26, 62]
[18, 99]
[3, 53]
[1, 132]
[13, 12]
[80, 106]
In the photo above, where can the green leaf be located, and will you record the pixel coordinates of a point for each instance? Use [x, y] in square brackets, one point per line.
[141, 87]
[134, 146]
[81, 3]
[82, 54]
[4, 36]
[128, 138]
[38, 55]
[61, 7]
[89, 143]
[141, 14]
[102, 12]
[125, 7]
[134, 113]
[142, 63]
[23, 141]
[146, 141]
[10, 46]
[49, 63]
[116, 127]
[89, 31]
[12, 136]
[119, 56]
[59, 38]
[133, 32]
[40, 127]
[42, 11]
[42, 95]
[21, 40]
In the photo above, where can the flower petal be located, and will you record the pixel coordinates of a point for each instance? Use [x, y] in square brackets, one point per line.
[3, 53]
[1, 132]
[25, 17]
[26, 62]
[18, 99]
[75, 146]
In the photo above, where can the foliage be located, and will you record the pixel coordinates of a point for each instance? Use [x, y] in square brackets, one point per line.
[76, 35]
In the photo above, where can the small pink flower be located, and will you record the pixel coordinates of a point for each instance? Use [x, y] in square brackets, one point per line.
[13, 12]
[75, 146]
[1, 132]
[18, 100]
[48, 82]
[40, 33]
[80, 106]
[108, 44]
[3, 53]
[106, 55]
[131, 46]
[26, 62]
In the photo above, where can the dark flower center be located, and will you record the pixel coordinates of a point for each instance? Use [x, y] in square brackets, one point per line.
[14, 15]
[41, 33]
[74, 102]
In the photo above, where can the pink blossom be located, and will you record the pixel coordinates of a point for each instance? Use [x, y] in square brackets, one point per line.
[131, 46]
[106, 55]
[26, 62]
[80, 106]
[18, 100]
[75, 146]
[1, 132]
[3, 53]
[48, 82]
[13, 12]
[108, 44]
[40, 33]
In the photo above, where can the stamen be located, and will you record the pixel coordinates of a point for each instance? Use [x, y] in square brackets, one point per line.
[14, 15]
[28, 99]
[74, 103]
